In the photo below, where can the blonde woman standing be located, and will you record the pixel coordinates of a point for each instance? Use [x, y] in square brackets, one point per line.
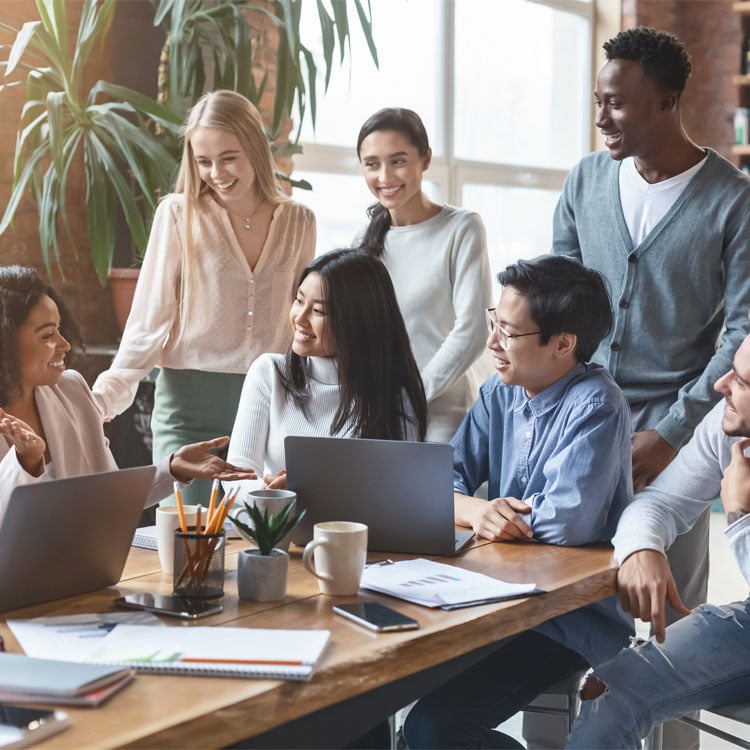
[225, 251]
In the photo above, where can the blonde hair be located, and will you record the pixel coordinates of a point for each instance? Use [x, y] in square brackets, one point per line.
[232, 112]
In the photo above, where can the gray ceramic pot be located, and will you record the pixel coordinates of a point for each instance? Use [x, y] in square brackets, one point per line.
[262, 578]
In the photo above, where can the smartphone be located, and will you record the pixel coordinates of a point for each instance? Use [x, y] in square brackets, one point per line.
[176, 606]
[21, 726]
[375, 616]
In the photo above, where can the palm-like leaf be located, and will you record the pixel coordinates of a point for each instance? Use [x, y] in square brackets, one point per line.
[129, 143]
[123, 164]
[269, 529]
[229, 29]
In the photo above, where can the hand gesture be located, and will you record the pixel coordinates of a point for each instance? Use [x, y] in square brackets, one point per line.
[196, 461]
[30, 447]
[651, 454]
[277, 482]
[500, 520]
[644, 583]
[735, 485]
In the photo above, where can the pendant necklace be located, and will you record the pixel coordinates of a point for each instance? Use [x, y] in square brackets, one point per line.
[246, 220]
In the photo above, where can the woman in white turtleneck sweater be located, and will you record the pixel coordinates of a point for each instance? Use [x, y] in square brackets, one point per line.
[349, 371]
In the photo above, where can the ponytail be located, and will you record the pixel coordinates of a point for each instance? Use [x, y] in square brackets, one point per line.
[380, 223]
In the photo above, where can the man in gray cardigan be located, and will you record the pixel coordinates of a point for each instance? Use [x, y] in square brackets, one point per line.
[667, 223]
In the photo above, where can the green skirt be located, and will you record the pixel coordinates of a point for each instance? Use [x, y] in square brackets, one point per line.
[190, 406]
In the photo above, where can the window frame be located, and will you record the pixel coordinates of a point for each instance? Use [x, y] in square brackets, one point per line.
[452, 173]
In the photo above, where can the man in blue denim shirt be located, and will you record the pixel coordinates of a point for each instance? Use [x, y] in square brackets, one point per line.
[551, 437]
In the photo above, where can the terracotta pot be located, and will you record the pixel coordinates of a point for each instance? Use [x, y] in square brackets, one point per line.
[122, 282]
[262, 578]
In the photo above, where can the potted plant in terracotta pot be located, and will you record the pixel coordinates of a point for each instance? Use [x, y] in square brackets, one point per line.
[262, 572]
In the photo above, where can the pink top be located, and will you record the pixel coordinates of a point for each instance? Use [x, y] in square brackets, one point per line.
[240, 313]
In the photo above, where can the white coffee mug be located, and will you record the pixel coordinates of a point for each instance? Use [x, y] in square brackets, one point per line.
[272, 501]
[167, 520]
[340, 549]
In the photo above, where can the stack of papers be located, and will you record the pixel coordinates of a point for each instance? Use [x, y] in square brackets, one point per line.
[434, 584]
[27, 680]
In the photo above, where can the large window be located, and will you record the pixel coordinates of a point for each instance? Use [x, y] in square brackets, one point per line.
[504, 89]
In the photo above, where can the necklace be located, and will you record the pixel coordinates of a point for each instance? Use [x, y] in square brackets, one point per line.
[246, 219]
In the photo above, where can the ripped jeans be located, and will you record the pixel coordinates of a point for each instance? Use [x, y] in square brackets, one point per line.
[703, 662]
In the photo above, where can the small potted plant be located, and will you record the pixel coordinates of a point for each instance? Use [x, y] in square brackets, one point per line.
[262, 572]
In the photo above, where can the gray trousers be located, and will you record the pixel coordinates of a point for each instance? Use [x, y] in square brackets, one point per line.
[688, 559]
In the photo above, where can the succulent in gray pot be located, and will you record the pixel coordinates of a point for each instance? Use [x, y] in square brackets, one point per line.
[262, 572]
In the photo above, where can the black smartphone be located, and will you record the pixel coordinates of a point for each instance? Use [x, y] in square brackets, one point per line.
[375, 616]
[20, 726]
[176, 606]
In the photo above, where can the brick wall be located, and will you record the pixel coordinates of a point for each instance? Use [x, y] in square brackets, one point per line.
[712, 32]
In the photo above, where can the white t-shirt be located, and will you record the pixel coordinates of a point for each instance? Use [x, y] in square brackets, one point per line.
[644, 204]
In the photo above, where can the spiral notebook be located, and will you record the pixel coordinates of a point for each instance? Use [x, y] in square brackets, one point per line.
[221, 651]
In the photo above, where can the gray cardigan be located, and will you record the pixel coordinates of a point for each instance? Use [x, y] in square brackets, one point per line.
[672, 293]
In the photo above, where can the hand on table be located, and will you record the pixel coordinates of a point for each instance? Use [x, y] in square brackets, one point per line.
[644, 583]
[500, 520]
[196, 461]
[30, 447]
[735, 485]
[651, 454]
[277, 482]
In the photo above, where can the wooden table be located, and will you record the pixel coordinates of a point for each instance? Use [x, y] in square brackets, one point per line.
[183, 712]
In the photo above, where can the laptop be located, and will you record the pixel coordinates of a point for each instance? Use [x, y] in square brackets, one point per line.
[402, 490]
[69, 536]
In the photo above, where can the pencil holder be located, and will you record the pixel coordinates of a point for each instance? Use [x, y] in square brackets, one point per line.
[199, 564]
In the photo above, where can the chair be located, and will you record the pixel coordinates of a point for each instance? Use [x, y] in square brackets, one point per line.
[738, 712]
[567, 689]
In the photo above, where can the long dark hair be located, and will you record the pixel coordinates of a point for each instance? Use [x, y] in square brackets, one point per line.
[378, 376]
[20, 290]
[409, 124]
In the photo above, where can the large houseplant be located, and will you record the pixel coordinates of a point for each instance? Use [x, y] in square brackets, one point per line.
[127, 142]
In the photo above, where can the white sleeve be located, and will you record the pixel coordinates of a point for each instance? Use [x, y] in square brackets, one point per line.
[247, 445]
[12, 475]
[738, 535]
[154, 312]
[470, 268]
[674, 501]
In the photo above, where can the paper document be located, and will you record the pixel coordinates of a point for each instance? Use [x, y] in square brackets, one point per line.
[72, 636]
[434, 584]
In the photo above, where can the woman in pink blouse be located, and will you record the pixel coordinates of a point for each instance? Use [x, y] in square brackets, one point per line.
[224, 253]
[50, 426]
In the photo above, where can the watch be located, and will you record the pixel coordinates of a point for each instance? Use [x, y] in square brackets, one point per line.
[735, 515]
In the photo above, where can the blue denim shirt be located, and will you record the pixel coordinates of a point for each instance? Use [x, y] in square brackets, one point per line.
[566, 453]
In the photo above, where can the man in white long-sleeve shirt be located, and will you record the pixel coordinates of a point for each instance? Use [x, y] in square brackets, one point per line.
[703, 659]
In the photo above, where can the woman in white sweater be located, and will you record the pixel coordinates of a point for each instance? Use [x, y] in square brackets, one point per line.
[224, 253]
[437, 258]
[50, 426]
[349, 371]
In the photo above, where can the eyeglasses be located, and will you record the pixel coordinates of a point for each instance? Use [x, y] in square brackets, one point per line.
[503, 337]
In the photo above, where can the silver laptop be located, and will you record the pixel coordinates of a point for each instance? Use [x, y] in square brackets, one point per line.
[69, 536]
[403, 491]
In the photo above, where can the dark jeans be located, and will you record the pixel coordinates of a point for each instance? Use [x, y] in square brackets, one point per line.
[462, 712]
